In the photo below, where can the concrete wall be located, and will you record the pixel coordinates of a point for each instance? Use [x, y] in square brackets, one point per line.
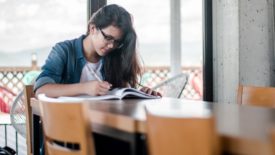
[243, 46]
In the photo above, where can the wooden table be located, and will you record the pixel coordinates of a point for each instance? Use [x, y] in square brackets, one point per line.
[242, 129]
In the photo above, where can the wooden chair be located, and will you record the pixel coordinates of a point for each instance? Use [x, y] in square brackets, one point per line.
[185, 135]
[258, 96]
[66, 124]
[28, 94]
[272, 137]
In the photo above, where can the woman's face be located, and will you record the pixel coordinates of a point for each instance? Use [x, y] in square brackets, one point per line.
[106, 39]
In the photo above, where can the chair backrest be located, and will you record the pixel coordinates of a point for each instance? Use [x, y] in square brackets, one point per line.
[181, 135]
[259, 96]
[66, 124]
[173, 86]
[28, 94]
[272, 137]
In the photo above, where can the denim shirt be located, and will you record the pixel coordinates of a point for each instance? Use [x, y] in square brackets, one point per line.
[64, 64]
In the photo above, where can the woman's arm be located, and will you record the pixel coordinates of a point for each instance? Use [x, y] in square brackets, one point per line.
[94, 88]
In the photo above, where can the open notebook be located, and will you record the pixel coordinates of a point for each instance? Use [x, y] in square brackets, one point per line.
[117, 93]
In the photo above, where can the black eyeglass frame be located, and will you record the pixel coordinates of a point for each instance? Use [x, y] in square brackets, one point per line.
[116, 43]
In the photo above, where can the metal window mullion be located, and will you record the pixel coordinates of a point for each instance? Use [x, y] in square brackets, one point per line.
[207, 51]
[94, 5]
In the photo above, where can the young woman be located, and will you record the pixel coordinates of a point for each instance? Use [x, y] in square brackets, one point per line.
[94, 63]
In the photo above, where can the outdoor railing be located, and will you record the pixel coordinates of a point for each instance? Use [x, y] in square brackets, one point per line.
[11, 78]
[155, 75]
[11, 82]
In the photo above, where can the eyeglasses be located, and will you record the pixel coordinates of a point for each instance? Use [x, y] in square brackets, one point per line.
[110, 40]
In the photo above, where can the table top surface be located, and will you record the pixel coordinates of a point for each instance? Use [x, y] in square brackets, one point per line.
[248, 125]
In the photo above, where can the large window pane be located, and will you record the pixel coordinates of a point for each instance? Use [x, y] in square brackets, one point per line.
[152, 23]
[191, 28]
[34, 26]
[191, 34]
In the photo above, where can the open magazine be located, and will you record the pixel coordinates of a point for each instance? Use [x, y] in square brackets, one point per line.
[117, 93]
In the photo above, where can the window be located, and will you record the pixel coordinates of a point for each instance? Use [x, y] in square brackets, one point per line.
[34, 26]
[152, 24]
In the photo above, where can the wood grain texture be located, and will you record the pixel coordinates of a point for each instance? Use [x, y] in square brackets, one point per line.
[66, 123]
[28, 94]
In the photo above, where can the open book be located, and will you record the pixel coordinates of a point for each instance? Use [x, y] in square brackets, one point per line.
[117, 93]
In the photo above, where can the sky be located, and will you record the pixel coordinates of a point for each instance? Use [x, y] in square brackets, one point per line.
[29, 24]
[35, 24]
[152, 19]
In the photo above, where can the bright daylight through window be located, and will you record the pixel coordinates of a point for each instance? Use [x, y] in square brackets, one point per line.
[34, 26]
[152, 24]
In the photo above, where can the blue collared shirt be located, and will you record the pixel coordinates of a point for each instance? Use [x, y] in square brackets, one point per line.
[64, 64]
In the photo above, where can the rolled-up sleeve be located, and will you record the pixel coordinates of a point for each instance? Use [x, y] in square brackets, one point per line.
[53, 69]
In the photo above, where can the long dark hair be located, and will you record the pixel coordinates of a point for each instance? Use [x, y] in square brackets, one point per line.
[121, 66]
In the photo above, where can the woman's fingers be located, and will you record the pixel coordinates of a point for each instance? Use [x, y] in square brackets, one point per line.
[103, 88]
[105, 85]
[155, 93]
[150, 91]
[144, 89]
[97, 88]
[159, 94]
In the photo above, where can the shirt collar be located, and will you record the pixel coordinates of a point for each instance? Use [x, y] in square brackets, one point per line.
[79, 47]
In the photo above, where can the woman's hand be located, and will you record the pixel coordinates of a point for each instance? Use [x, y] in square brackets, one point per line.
[150, 91]
[97, 88]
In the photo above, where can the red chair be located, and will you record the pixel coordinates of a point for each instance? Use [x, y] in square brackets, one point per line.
[6, 98]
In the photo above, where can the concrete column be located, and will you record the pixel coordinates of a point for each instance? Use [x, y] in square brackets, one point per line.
[175, 57]
[243, 46]
[256, 43]
[225, 49]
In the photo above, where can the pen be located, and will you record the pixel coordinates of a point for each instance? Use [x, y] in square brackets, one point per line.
[93, 72]
[141, 85]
